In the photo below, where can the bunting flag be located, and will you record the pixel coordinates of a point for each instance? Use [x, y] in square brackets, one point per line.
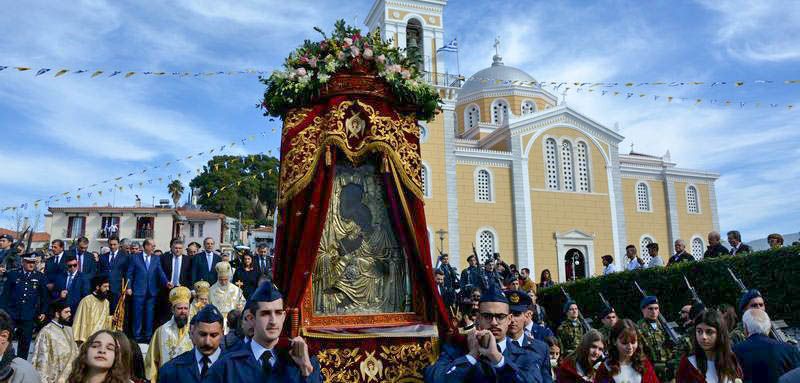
[129, 73]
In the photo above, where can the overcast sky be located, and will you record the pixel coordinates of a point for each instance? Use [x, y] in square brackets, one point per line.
[73, 131]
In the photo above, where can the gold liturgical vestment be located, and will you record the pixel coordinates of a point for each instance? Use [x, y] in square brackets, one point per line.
[92, 316]
[53, 353]
[226, 298]
[168, 342]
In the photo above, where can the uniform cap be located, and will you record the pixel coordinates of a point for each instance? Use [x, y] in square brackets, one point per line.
[747, 296]
[647, 301]
[518, 300]
[208, 314]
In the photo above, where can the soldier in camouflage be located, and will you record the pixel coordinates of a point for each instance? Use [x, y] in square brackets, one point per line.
[609, 318]
[655, 342]
[570, 331]
[752, 299]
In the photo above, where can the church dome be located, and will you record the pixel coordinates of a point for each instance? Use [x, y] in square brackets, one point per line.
[485, 78]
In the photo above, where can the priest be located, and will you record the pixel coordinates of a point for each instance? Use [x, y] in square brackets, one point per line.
[93, 311]
[172, 338]
[55, 348]
[225, 295]
[201, 289]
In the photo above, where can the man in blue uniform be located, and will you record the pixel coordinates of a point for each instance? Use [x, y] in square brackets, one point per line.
[519, 302]
[261, 360]
[206, 332]
[25, 299]
[490, 356]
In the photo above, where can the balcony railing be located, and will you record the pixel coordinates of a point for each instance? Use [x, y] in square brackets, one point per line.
[144, 233]
[444, 79]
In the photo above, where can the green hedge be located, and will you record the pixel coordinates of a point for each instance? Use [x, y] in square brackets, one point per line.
[775, 274]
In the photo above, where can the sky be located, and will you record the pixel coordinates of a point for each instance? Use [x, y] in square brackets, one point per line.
[74, 131]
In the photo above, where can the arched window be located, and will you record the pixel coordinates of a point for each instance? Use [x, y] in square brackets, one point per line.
[486, 244]
[423, 132]
[551, 162]
[697, 248]
[643, 248]
[528, 107]
[642, 196]
[499, 112]
[566, 166]
[483, 185]
[582, 163]
[471, 117]
[426, 181]
[692, 203]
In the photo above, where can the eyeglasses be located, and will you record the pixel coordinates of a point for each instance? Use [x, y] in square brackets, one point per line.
[72, 265]
[684, 312]
[498, 316]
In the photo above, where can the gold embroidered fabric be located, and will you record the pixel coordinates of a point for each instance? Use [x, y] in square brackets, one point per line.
[168, 342]
[387, 364]
[54, 352]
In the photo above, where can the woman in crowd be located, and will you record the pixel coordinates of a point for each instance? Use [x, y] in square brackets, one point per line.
[626, 361]
[100, 360]
[582, 365]
[735, 332]
[554, 348]
[247, 275]
[712, 359]
[545, 280]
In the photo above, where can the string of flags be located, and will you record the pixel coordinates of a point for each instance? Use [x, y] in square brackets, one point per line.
[102, 73]
[633, 84]
[263, 175]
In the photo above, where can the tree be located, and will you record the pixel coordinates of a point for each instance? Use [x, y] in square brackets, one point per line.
[175, 189]
[254, 198]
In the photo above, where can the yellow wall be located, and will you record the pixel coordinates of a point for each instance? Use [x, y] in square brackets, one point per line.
[694, 224]
[474, 215]
[433, 156]
[485, 105]
[653, 223]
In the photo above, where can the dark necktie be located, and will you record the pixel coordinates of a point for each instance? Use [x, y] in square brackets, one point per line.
[266, 367]
[69, 281]
[204, 370]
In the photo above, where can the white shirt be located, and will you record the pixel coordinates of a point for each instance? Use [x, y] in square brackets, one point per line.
[655, 262]
[58, 257]
[257, 350]
[627, 374]
[610, 269]
[198, 357]
[209, 260]
[176, 269]
[711, 369]
[633, 265]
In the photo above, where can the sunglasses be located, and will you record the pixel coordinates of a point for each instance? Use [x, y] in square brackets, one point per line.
[498, 316]
[72, 265]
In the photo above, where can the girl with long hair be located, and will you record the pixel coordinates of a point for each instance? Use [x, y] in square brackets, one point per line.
[712, 360]
[100, 360]
[582, 365]
[626, 361]
[545, 279]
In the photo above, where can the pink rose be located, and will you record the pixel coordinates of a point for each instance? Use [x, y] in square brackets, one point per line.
[406, 74]
[301, 71]
[348, 41]
[368, 53]
[381, 59]
[355, 51]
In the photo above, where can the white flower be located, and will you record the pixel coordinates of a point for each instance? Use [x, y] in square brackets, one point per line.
[301, 71]
[355, 51]
[323, 78]
[340, 55]
[406, 74]
[381, 59]
[368, 53]
[348, 41]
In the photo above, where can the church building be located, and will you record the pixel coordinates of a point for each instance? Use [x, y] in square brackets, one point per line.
[511, 170]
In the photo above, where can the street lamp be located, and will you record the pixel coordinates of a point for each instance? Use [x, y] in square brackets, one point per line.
[442, 233]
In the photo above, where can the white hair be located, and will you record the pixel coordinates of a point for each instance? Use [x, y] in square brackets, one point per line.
[756, 321]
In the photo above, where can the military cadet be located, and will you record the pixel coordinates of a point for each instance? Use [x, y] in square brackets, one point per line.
[206, 333]
[471, 276]
[490, 356]
[450, 272]
[261, 360]
[570, 331]
[519, 302]
[654, 338]
[25, 299]
[533, 326]
[608, 316]
[6, 240]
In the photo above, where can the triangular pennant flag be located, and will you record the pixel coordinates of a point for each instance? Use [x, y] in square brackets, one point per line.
[129, 74]
[42, 71]
[61, 72]
[116, 72]
[96, 73]
[22, 68]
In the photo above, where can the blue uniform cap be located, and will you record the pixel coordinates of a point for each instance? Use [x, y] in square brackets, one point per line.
[208, 314]
[266, 292]
[518, 300]
[567, 304]
[493, 295]
[7, 237]
[746, 297]
[647, 301]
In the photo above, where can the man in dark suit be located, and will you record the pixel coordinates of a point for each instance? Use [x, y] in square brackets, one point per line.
[263, 260]
[715, 248]
[55, 266]
[145, 278]
[192, 366]
[177, 268]
[115, 265]
[763, 359]
[737, 247]
[70, 286]
[87, 264]
[680, 254]
[205, 262]
[447, 294]
[25, 299]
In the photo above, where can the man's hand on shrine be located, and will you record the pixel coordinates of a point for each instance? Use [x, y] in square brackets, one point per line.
[299, 354]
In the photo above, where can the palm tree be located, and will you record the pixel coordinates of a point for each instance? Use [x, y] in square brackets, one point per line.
[175, 189]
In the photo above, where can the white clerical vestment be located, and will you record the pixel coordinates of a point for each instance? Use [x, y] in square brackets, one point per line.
[226, 298]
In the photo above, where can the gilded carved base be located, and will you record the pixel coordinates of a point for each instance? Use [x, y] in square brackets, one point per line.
[402, 363]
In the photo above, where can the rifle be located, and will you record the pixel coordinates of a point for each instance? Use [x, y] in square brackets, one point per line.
[695, 297]
[584, 323]
[779, 335]
[673, 336]
[605, 301]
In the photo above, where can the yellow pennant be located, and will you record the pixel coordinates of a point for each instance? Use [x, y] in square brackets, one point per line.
[22, 68]
[129, 74]
[96, 73]
[61, 72]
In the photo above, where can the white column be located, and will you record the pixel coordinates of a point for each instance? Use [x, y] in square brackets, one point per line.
[449, 115]
[523, 213]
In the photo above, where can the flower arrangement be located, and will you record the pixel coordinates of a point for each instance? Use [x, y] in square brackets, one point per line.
[310, 67]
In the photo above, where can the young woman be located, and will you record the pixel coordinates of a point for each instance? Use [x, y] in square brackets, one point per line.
[626, 361]
[545, 280]
[712, 360]
[247, 275]
[99, 360]
[581, 366]
[554, 348]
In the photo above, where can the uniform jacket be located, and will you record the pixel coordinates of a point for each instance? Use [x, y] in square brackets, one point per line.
[185, 277]
[539, 332]
[570, 333]
[77, 290]
[764, 359]
[25, 297]
[200, 269]
[453, 367]
[240, 366]
[145, 281]
[450, 276]
[542, 352]
[181, 369]
[653, 344]
[470, 277]
[649, 376]
[116, 270]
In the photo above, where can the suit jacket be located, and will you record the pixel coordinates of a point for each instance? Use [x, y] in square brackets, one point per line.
[200, 269]
[145, 281]
[267, 261]
[185, 276]
[764, 359]
[680, 257]
[181, 369]
[453, 366]
[240, 365]
[116, 270]
[89, 266]
[24, 297]
[77, 290]
[743, 249]
[716, 251]
[448, 295]
[53, 269]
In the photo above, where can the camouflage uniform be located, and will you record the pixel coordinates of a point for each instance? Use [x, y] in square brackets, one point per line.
[606, 332]
[654, 345]
[570, 333]
[737, 335]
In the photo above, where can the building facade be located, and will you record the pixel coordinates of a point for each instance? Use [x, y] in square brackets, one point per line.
[510, 170]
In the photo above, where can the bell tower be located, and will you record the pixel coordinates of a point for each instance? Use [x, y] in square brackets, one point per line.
[414, 25]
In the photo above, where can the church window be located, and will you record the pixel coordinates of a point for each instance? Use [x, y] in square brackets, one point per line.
[697, 248]
[472, 117]
[551, 160]
[642, 197]
[426, 181]
[483, 185]
[645, 254]
[566, 166]
[499, 112]
[528, 107]
[583, 167]
[691, 199]
[486, 244]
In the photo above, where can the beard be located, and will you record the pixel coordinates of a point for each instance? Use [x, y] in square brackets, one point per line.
[62, 321]
[181, 321]
[101, 295]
